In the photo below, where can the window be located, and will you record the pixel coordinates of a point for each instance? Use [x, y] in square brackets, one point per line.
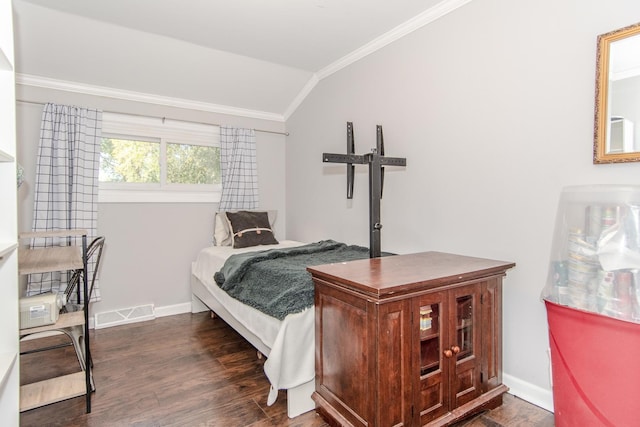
[124, 160]
[145, 159]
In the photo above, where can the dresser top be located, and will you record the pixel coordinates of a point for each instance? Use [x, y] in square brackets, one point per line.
[402, 274]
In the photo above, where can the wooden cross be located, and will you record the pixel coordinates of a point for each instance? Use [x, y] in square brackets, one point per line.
[376, 161]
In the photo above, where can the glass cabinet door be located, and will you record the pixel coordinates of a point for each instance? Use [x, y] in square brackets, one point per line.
[430, 313]
[463, 346]
[429, 338]
[449, 357]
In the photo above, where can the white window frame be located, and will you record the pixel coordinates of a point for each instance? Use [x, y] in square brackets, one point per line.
[167, 131]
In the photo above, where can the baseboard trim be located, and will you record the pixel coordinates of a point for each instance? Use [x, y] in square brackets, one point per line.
[170, 310]
[167, 310]
[123, 316]
[531, 393]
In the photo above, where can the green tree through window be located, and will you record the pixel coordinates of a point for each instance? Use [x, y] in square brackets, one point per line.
[124, 160]
[192, 164]
[135, 161]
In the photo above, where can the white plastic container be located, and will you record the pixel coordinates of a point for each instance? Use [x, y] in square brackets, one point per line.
[40, 310]
[595, 257]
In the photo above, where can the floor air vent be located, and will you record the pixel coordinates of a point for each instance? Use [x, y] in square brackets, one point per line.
[124, 316]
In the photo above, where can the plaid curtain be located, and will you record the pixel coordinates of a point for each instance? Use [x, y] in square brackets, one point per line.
[239, 169]
[66, 188]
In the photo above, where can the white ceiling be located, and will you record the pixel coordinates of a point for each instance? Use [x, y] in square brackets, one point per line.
[305, 34]
[305, 38]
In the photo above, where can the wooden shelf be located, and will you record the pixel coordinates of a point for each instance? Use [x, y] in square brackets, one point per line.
[428, 368]
[66, 320]
[427, 334]
[43, 260]
[52, 233]
[53, 390]
[56, 258]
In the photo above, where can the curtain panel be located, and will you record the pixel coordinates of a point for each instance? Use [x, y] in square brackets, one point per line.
[66, 187]
[239, 169]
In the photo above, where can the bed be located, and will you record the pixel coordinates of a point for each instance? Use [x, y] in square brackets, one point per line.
[289, 343]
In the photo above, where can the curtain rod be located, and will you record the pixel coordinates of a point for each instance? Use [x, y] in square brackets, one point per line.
[165, 118]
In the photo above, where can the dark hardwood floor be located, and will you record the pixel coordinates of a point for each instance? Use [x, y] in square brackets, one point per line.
[189, 370]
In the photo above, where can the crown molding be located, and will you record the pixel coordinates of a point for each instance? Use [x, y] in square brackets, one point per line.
[413, 24]
[306, 90]
[398, 32]
[107, 92]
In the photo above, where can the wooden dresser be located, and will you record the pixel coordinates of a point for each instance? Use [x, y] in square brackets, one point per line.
[408, 340]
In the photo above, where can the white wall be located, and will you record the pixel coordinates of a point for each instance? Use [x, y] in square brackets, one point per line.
[149, 247]
[492, 105]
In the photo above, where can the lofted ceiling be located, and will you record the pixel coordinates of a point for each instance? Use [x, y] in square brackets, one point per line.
[270, 53]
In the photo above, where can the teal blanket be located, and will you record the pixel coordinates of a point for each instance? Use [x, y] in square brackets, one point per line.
[276, 281]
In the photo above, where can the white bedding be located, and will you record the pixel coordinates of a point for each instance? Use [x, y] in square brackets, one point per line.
[291, 359]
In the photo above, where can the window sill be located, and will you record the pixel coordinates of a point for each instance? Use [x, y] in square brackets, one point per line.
[142, 196]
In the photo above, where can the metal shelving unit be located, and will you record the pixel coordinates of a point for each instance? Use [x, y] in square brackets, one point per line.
[48, 259]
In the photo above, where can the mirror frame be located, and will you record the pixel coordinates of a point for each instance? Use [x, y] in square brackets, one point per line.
[602, 93]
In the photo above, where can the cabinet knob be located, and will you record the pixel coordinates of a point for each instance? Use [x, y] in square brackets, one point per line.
[448, 353]
[455, 349]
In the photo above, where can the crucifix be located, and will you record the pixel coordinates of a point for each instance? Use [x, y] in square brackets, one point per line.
[376, 161]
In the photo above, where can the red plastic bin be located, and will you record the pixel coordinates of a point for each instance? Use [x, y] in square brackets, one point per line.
[595, 368]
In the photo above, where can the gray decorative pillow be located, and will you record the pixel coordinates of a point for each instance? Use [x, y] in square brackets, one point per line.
[222, 233]
[250, 229]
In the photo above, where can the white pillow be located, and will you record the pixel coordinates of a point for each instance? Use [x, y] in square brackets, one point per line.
[221, 231]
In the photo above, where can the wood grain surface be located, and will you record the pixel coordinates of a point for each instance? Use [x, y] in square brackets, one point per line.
[189, 370]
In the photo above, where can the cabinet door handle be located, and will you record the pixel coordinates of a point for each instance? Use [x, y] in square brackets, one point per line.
[448, 353]
[455, 349]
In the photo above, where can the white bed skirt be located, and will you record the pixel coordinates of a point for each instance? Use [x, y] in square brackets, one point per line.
[288, 344]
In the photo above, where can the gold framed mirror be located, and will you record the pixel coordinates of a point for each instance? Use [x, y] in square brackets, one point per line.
[617, 109]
